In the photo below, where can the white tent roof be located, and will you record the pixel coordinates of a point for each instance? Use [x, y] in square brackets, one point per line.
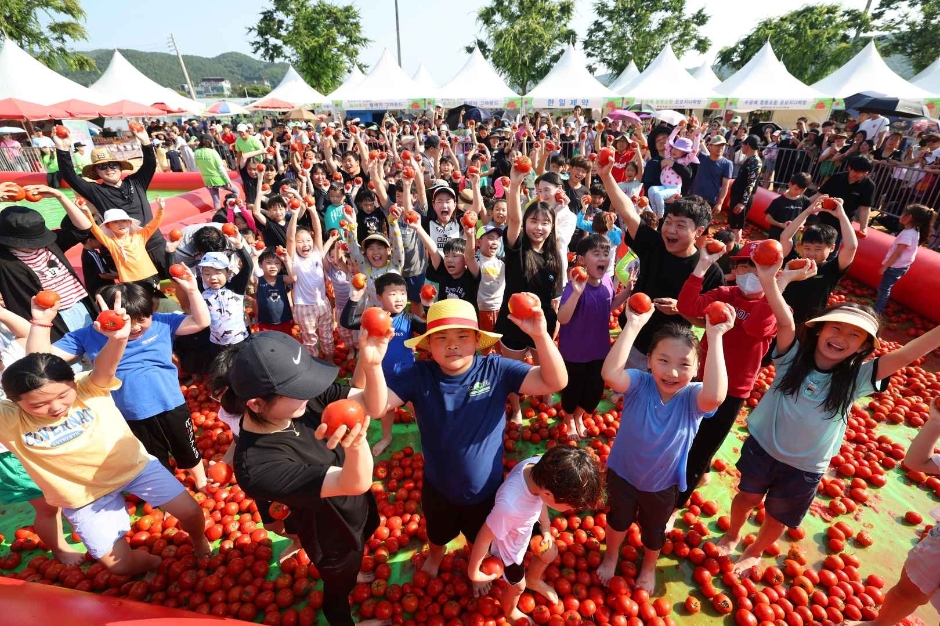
[706, 76]
[123, 81]
[867, 71]
[569, 84]
[25, 78]
[476, 83]
[764, 83]
[627, 76]
[294, 89]
[386, 86]
[929, 79]
[355, 77]
[423, 78]
[665, 82]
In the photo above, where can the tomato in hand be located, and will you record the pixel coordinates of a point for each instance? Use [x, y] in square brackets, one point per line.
[358, 281]
[717, 312]
[110, 321]
[579, 273]
[412, 216]
[714, 247]
[177, 270]
[229, 229]
[605, 156]
[829, 204]
[342, 412]
[408, 172]
[428, 292]
[768, 252]
[47, 299]
[469, 219]
[473, 171]
[32, 196]
[136, 127]
[376, 321]
[176, 234]
[798, 264]
[220, 473]
[294, 203]
[259, 245]
[492, 565]
[61, 131]
[640, 303]
[523, 305]
[405, 155]
[523, 165]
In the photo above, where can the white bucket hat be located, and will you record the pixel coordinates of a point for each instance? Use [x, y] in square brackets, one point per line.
[116, 215]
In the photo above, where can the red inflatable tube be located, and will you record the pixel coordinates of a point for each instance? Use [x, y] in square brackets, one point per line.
[918, 290]
[31, 603]
[170, 181]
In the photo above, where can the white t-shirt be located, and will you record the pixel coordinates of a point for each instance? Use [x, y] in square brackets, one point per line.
[492, 283]
[566, 222]
[909, 237]
[873, 127]
[310, 287]
[514, 514]
[10, 352]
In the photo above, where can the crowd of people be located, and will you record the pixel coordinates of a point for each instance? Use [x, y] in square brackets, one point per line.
[499, 250]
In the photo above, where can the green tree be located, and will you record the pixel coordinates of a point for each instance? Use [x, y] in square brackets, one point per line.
[637, 30]
[46, 29]
[812, 42]
[322, 40]
[524, 38]
[913, 28]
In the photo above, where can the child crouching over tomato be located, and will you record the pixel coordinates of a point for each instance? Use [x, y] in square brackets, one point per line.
[459, 399]
[565, 479]
[75, 444]
[290, 451]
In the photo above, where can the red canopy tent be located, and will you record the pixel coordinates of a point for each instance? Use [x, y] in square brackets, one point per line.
[15, 109]
[272, 104]
[80, 109]
[167, 108]
[126, 108]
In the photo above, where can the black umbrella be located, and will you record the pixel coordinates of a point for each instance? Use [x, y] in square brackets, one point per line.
[478, 115]
[886, 105]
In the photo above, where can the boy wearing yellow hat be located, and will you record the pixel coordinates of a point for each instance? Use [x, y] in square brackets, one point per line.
[460, 406]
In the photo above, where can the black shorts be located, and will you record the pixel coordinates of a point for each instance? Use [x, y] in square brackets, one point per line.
[170, 432]
[788, 491]
[446, 519]
[585, 386]
[737, 220]
[515, 572]
[651, 510]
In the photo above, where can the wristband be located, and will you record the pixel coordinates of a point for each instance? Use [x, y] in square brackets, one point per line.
[38, 323]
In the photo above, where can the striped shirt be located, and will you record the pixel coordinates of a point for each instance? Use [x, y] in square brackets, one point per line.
[53, 275]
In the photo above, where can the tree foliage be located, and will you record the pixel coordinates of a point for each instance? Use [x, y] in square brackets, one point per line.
[320, 39]
[524, 38]
[812, 42]
[913, 28]
[46, 29]
[637, 30]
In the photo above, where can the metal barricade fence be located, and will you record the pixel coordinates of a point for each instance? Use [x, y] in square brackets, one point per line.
[23, 159]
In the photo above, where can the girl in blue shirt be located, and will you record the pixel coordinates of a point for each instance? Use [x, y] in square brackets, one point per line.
[665, 408]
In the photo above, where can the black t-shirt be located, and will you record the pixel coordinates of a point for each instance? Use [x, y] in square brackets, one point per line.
[853, 196]
[662, 275]
[290, 468]
[784, 209]
[464, 287]
[501, 164]
[544, 286]
[370, 224]
[809, 297]
[274, 234]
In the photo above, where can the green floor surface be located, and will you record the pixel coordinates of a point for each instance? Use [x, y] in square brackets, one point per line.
[53, 212]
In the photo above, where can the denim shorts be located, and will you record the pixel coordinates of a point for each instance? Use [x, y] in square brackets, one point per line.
[789, 490]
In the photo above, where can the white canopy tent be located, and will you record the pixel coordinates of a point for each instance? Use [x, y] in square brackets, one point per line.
[294, 89]
[867, 71]
[477, 84]
[666, 85]
[25, 78]
[423, 79]
[627, 76]
[123, 81]
[355, 77]
[386, 86]
[929, 79]
[706, 75]
[569, 84]
[764, 83]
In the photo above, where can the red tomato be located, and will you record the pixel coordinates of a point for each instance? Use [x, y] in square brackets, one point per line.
[220, 473]
[110, 321]
[642, 202]
[797, 264]
[176, 234]
[768, 252]
[523, 165]
[579, 273]
[412, 216]
[61, 131]
[177, 270]
[278, 511]
[341, 412]
[605, 156]
[492, 565]
[640, 303]
[47, 299]
[714, 247]
[912, 517]
[473, 170]
[692, 604]
[829, 204]
[722, 604]
[358, 281]
[522, 305]
[428, 292]
[229, 230]
[718, 312]
[469, 219]
[375, 321]
[136, 127]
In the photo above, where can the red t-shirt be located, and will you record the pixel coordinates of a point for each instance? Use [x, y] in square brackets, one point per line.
[745, 344]
[229, 138]
[620, 165]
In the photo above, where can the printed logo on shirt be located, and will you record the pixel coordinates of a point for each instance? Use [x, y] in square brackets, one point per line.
[148, 341]
[479, 388]
[54, 436]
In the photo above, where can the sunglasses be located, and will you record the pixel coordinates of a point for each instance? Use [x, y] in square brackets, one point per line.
[108, 166]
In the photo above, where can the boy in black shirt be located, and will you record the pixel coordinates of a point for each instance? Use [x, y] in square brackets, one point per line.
[369, 220]
[785, 208]
[272, 221]
[857, 191]
[456, 271]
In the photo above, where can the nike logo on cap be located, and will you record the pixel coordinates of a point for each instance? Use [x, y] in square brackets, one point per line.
[299, 352]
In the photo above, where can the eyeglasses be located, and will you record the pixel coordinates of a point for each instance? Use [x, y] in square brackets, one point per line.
[112, 165]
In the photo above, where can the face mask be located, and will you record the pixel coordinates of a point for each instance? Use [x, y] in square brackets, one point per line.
[748, 283]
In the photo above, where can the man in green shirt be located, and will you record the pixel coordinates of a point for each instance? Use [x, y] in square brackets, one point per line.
[51, 165]
[250, 151]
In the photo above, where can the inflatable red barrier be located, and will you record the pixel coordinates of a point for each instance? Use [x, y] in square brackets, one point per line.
[918, 290]
[170, 181]
[31, 603]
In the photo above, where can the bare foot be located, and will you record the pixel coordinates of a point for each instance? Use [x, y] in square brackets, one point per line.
[727, 544]
[706, 478]
[548, 399]
[292, 548]
[543, 588]
[607, 570]
[746, 563]
[68, 556]
[582, 431]
[201, 546]
[516, 417]
[672, 520]
[572, 429]
[365, 577]
[647, 579]
[481, 589]
[375, 622]
[432, 564]
[517, 615]
[379, 447]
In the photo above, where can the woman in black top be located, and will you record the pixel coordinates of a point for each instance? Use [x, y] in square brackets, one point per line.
[284, 454]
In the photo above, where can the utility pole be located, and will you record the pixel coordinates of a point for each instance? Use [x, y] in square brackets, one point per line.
[858, 31]
[189, 83]
[398, 33]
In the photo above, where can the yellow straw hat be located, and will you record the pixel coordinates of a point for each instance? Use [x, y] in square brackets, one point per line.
[453, 313]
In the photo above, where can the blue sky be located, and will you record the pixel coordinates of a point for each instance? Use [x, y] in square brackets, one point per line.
[210, 27]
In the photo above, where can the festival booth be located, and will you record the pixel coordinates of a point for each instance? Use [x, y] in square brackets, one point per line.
[291, 93]
[386, 86]
[706, 75]
[570, 84]
[478, 84]
[627, 76]
[123, 81]
[666, 85]
[867, 71]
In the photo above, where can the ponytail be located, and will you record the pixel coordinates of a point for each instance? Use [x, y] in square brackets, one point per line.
[922, 218]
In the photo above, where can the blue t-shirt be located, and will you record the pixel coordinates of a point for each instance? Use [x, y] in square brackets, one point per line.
[398, 356]
[332, 215]
[710, 176]
[653, 446]
[150, 381]
[273, 307]
[461, 420]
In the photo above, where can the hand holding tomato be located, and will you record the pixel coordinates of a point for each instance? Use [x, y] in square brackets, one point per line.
[797, 269]
[372, 348]
[715, 326]
[477, 575]
[44, 306]
[113, 330]
[526, 313]
[184, 277]
[637, 315]
[335, 426]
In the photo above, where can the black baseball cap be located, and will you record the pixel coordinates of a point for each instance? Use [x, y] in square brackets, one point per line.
[271, 362]
[752, 141]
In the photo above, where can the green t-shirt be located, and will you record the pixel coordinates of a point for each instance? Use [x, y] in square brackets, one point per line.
[212, 167]
[250, 145]
[50, 162]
